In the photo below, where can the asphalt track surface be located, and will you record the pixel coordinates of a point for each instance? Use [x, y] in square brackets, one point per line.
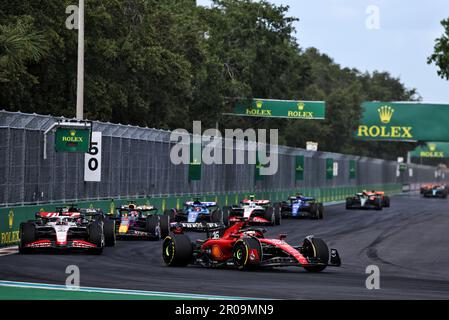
[408, 242]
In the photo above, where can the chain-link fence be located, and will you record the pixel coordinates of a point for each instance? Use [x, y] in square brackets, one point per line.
[136, 163]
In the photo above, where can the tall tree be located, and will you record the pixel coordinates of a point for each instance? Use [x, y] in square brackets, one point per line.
[441, 52]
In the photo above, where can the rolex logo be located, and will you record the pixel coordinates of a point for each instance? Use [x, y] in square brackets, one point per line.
[300, 106]
[259, 104]
[72, 133]
[385, 113]
[432, 147]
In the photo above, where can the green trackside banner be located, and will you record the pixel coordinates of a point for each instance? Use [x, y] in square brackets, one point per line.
[432, 150]
[352, 169]
[280, 109]
[72, 140]
[299, 168]
[404, 121]
[195, 162]
[329, 168]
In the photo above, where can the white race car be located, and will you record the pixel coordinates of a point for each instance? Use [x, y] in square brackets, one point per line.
[256, 211]
[71, 228]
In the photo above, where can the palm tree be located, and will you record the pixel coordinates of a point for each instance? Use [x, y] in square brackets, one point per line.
[19, 45]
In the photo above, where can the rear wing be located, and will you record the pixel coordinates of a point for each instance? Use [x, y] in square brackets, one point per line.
[48, 215]
[200, 203]
[257, 202]
[179, 227]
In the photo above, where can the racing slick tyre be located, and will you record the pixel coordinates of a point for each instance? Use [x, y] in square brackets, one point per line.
[348, 203]
[321, 211]
[164, 225]
[153, 227]
[270, 216]
[225, 212]
[27, 235]
[216, 216]
[378, 205]
[109, 232]
[317, 249]
[277, 214]
[96, 236]
[315, 211]
[247, 253]
[171, 213]
[386, 201]
[177, 250]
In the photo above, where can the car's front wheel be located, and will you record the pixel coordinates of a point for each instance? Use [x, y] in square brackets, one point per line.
[177, 250]
[317, 251]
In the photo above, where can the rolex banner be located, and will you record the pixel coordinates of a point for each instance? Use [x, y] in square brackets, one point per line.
[404, 121]
[280, 109]
[299, 168]
[195, 162]
[432, 150]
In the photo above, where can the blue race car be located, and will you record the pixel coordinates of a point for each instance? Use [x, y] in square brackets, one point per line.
[301, 206]
[195, 214]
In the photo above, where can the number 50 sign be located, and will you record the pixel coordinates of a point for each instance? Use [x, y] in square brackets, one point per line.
[92, 159]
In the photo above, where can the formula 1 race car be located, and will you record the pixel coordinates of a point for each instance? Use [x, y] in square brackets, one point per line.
[300, 206]
[68, 228]
[245, 247]
[434, 191]
[365, 200]
[256, 211]
[141, 222]
[195, 212]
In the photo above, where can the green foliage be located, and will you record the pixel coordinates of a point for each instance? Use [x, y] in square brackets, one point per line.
[441, 52]
[166, 63]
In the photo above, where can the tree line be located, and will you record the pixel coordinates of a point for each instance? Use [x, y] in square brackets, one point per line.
[163, 64]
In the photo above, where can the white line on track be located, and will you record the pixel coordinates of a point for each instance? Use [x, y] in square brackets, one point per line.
[45, 286]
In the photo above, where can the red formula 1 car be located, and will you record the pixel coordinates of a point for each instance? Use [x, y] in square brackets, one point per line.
[245, 247]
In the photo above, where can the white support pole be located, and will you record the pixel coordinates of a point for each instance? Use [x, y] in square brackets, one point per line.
[80, 80]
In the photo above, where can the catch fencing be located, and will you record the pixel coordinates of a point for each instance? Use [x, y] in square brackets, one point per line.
[136, 164]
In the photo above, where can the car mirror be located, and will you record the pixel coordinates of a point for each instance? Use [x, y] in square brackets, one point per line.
[282, 236]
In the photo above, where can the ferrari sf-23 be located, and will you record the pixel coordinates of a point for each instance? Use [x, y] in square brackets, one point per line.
[244, 247]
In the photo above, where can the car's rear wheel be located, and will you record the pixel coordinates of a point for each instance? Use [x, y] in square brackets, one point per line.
[177, 250]
[317, 250]
[216, 216]
[153, 226]
[171, 213]
[378, 203]
[109, 232]
[321, 211]
[277, 214]
[27, 236]
[247, 253]
[315, 211]
[164, 225]
[270, 216]
[226, 211]
[386, 201]
[96, 236]
[348, 203]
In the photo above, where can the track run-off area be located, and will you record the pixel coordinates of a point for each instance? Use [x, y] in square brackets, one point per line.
[408, 242]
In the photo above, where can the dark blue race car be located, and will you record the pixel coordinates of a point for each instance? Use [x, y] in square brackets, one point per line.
[196, 215]
[301, 206]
